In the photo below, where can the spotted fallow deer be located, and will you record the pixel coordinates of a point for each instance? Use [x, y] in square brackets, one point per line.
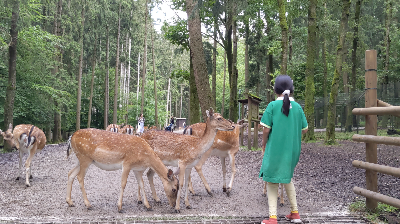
[113, 151]
[26, 138]
[184, 151]
[128, 129]
[226, 144]
[113, 128]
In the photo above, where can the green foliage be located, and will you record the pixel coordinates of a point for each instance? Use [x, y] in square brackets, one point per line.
[376, 216]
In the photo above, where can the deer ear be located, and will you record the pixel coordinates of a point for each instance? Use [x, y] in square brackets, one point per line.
[170, 174]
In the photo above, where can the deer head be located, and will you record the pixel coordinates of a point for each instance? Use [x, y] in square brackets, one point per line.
[218, 122]
[8, 135]
[171, 187]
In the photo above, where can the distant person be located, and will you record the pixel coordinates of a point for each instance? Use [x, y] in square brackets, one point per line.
[140, 120]
[184, 124]
[284, 122]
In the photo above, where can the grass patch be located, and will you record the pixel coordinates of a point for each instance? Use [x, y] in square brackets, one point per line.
[245, 148]
[384, 213]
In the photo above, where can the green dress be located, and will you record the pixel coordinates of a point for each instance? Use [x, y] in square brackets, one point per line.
[283, 148]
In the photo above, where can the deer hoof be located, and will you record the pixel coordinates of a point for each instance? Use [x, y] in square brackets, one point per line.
[210, 193]
[188, 207]
[30, 177]
[120, 211]
[228, 193]
[70, 204]
[177, 211]
[140, 202]
[17, 178]
[224, 189]
[149, 209]
[158, 202]
[264, 195]
[281, 204]
[89, 208]
[27, 185]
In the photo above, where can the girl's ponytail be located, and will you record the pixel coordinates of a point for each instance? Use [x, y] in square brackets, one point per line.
[286, 103]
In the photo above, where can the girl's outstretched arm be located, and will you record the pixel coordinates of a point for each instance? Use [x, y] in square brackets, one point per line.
[265, 138]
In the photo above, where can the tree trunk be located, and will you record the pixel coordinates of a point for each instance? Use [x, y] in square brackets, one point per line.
[388, 18]
[57, 113]
[144, 57]
[351, 120]
[79, 94]
[214, 71]
[284, 31]
[223, 87]
[233, 100]
[12, 71]
[310, 88]
[92, 82]
[269, 70]
[330, 129]
[246, 68]
[155, 83]
[115, 118]
[198, 59]
[194, 115]
[325, 83]
[106, 82]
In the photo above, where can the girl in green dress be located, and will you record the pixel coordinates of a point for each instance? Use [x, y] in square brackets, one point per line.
[284, 122]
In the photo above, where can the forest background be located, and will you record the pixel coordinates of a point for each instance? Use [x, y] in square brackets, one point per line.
[71, 64]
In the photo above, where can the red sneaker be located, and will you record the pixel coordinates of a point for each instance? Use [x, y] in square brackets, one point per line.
[293, 217]
[270, 221]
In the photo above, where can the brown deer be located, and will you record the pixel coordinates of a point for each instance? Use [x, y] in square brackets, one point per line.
[226, 144]
[26, 138]
[113, 128]
[184, 151]
[128, 129]
[114, 151]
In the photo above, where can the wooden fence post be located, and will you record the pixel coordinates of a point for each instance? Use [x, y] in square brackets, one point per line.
[371, 123]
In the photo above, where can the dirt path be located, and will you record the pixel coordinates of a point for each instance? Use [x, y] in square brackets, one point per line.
[324, 180]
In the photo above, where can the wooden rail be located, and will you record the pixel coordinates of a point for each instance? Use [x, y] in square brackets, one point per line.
[378, 197]
[393, 110]
[378, 168]
[377, 139]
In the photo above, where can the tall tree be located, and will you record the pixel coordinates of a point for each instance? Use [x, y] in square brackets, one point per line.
[92, 82]
[57, 114]
[106, 81]
[349, 119]
[214, 68]
[12, 71]
[284, 32]
[115, 118]
[233, 78]
[198, 59]
[310, 88]
[388, 18]
[144, 55]
[79, 94]
[155, 82]
[330, 129]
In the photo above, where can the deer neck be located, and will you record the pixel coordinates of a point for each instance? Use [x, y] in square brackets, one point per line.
[208, 137]
[158, 166]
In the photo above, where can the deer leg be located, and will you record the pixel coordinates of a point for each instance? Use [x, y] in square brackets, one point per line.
[191, 186]
[124, 178]
[81, 176]
[71, 177]
[265, 189]
[187, 176]
[28, 169]
[233, 167]
[30, 172]
[139, 196]
[281, 199]
[150, 177]
[223, 173]
[20, 164]
[139, 178]
[181, 179]
[199, 170]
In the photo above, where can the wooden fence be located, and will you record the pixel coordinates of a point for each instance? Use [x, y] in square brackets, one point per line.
[374, 107]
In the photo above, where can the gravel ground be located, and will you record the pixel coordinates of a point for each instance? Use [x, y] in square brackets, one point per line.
[324, 179]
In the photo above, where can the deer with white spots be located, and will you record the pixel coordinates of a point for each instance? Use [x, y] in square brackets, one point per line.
[128, 129]
[226, 144]
[184, 151]
[113, 128]
[28, 139]
[113, 151]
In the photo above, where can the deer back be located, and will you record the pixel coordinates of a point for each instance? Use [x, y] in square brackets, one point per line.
[226, 137]
[30, 133]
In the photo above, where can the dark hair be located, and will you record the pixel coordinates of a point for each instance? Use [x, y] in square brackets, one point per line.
[282, 83]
